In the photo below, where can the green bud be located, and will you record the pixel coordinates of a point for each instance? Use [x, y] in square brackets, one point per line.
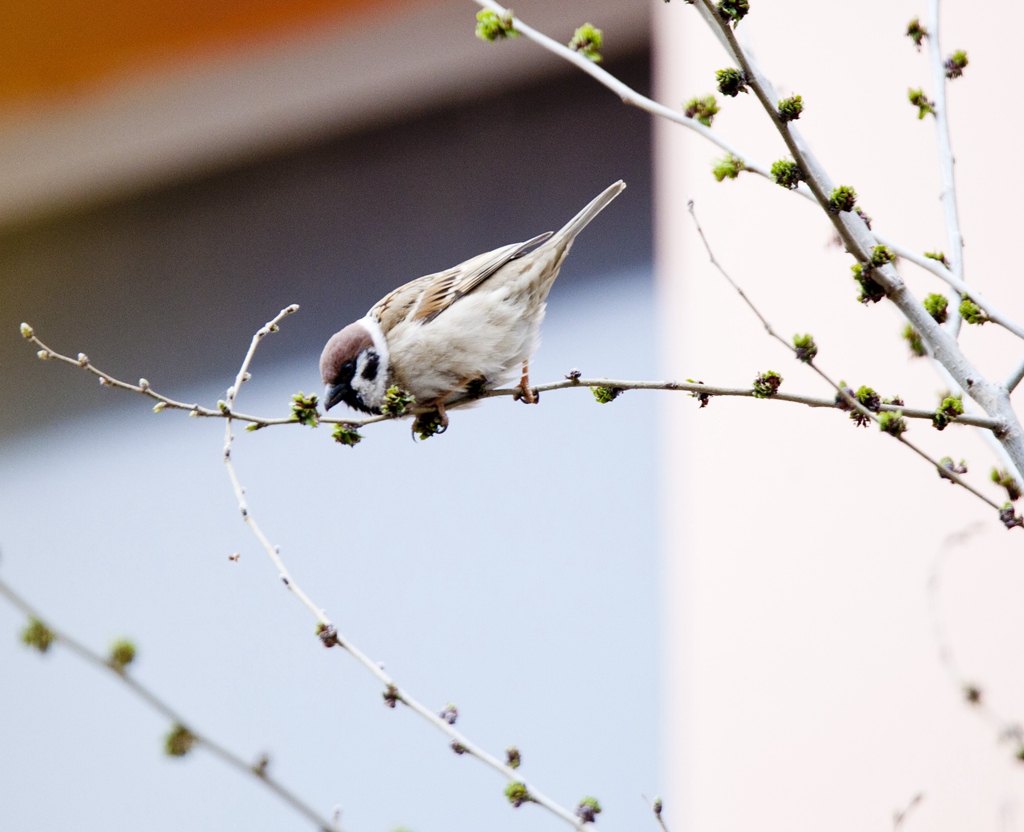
[787, 174]
[871, 290]
[304, 410]
[924, 104]
[37, 635]
[843, 198]
[728, 167]
[397, 401]
[767, 384]
[972, 313]
[1005, 479]
[604, 395]
[937, 255]
[892, 422]
[27, 331]
[513, 759]
[179, 741]
[805, 348]
[731, 81]
[427, 425]
[122, 654]
[936, 306]
[491, 26]
[914, 341]
[346, 435]
[703, 109]
[916, 32]
[517, 794]
[588, 809]
[791, 108]
[955, 64]
[159, 406]
[588, 40]
[951, 407]
[733, 10]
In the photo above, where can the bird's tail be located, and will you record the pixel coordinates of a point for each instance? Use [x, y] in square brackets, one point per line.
[580, 221]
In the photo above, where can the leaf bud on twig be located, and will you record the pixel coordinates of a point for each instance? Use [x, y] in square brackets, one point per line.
[805, 348]
[704, 109]
[767, 384]
[790, 108]
[937, 305]
[955, 64]
[491, 26]
[916, 32]
[728, 167]
[843, 198]
[179, 741]
[1005, 479]
[588, 41]
[733, 10]
[787, 174]
[513, 759]
[951, 407]
[37, 635]
[588, 809]
[517, 794]
[914, 341]
[122, 654]
[924, 104]
[731, 81]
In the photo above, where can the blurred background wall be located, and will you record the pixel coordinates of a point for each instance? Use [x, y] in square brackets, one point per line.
[173, 177]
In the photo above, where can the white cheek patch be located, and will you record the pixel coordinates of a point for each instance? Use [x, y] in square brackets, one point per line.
[370, 378]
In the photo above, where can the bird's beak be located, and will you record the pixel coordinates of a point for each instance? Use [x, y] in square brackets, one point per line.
[333, 393]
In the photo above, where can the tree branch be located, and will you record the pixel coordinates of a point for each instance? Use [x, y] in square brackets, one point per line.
[694, 388]
[946, 161]
[860, 242]
[156, 703]
[633, 98]
[852, 402]
[328, 632]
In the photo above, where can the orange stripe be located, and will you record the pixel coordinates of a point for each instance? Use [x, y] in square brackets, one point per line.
[54, 49]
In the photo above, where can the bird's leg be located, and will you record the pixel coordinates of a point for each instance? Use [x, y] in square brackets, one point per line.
[433, 421]
[526, 393]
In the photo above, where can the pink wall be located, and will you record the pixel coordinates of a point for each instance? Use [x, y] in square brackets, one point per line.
[803, 684]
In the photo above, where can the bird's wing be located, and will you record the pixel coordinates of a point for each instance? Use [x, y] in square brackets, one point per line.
[427, 297]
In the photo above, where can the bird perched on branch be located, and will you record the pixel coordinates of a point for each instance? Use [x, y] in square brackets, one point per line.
[448, 336]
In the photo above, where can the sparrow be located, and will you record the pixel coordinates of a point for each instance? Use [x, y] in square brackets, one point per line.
[447, 337]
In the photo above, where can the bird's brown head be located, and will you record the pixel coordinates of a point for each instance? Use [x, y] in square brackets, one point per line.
[352, 370]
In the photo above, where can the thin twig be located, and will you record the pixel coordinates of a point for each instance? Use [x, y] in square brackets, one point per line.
[165, 710]
[632, 97]
[1014, 378]
[656, 808]
[900, 815]
[851, 401]
[948, 196]
[972, 693]
[691, 387]
[328, 632]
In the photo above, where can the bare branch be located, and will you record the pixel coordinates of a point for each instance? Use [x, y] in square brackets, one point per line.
[328, 632]
[165, 710]
[946, 161]
[692, 387]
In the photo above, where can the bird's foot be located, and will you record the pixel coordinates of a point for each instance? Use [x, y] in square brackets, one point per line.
[526, 393]
[431, 423]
